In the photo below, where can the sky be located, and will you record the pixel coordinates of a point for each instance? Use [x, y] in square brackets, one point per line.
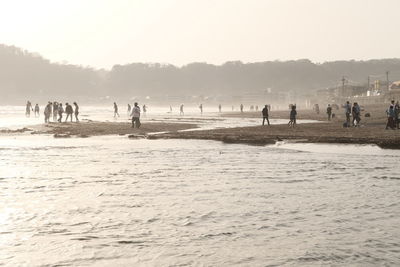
[102, 33]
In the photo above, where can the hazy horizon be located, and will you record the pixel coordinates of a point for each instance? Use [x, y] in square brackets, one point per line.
[101, 34]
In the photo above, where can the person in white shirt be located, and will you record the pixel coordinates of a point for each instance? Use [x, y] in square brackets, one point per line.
[135, 116]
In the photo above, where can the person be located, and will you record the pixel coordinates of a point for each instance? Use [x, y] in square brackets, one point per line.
[390, 118]
[201, 108]
[293, 114]
[129, 109]
[219, 108]
[37, 110]
[265, 114]
[316, 108]
[136, 116]
[356, 114]
[47, 112]
[76, 111]
[347, 108]
[144, 110]
[329, 112]
[69, 111]
[397, 114]
[28, 109]
[180, 110]
[256, 107]
[170, 109]
[115, 110]
[241, 108]
[55, 111]
[60, 112]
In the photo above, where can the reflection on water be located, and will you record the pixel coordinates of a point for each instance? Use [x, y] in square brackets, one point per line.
[110, 201]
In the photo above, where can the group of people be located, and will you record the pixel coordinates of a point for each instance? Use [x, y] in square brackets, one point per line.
[29, 108]
[56, 110]
[354, 112]
[292, 115]
[393, 116]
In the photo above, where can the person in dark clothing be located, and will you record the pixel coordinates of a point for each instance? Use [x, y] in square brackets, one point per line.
[69, 111]
[329, 112]
[293, 114]
[265, 114]
[397, 114]
[116, 110]
[348, 112]
[391, 118]
[60, 112]
[356, 114]
[76, 111]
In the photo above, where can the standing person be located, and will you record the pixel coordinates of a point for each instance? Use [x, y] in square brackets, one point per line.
[76, 111]
[293, 114]
[55, 111]
[129, 109]
[144, 110]
[265, 114]
[37, 110]
[397, 115]
[356, 114]
[347, 108]
[60, 112]
[241, 108]
[219, 108]
[180, 110]
[329, 112]
[316, 108]
[391, 117]
[47, 112]
[136, 116]
[201, 108]
[115, 110]
[69, 111]
[28, 109]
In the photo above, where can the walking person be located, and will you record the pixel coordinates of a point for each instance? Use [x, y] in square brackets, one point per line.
[241, 108]
[265, 114]
[356, 114]
[293, 114]
[28, 109]
[76, 111]
[136, 116]
[219, 108]
[347, 108]
[144, 110]
[180, 110]
[329, 112]
[201, 108]
[69, 111]
[37, 110]
[60, 112]
[115, 110]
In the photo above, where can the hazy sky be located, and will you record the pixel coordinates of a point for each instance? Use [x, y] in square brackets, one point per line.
[102, 33]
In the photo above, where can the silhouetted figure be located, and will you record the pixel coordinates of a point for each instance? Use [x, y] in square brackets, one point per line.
[144, 108]
[69, 111]
[37, 110]
[60, 112]
[241, 108]
[55, 111]
[390, 118]
[265, 114]
[181, 110]
[316, 108]
[28, 109]
[116, 110]
[219, 108]
[356, 112]
[347, 108]
[136, 116]
[293, 115]
[76, 112]
[201, 108]
[397, 114]
[47, 112]
[329, 112]
[129, 109]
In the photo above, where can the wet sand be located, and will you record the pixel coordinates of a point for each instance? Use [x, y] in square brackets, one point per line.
[94, 128]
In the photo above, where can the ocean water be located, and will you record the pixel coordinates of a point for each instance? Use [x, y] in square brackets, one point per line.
[111, 201]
